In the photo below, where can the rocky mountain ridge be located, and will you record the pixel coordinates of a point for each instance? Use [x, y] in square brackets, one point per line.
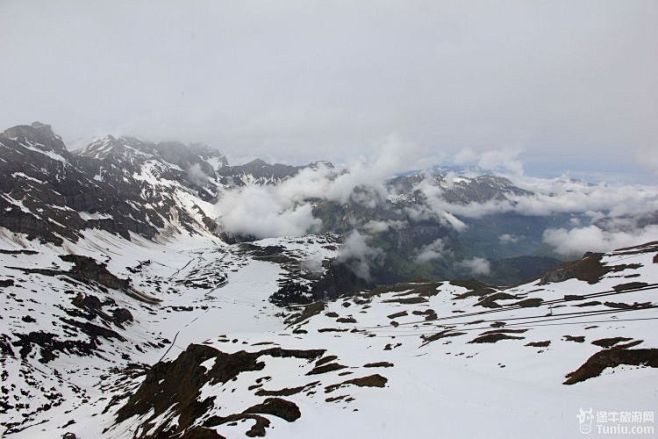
[53, 195]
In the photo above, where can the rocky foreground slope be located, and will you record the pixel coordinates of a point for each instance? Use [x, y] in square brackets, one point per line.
[426, 360]
[132, 339]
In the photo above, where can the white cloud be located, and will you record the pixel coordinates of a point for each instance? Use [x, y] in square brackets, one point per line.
[507, 238]
[502, 159]
[476, 266]
[285, 208]
[438, 208]
[575, 242]
[373, 226]
[313, 263]
[551, 196]
[356, 252]
[431, 251]
[261, 211]
[196, 175]
[376, 226]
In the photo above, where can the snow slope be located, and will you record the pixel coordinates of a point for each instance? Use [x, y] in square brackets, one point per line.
[201, 289]
[413, 360]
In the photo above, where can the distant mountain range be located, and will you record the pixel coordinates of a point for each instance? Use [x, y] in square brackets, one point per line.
[128, 186]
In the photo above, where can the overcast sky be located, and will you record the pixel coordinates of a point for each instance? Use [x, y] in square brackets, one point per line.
[571, 84]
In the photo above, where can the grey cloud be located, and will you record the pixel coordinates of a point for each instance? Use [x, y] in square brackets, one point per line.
[359, 254]
[431, 251]
[196, 175]
[299, 81]
[286, 208]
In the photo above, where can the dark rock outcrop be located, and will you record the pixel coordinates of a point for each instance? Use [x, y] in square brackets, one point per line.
[614, 357]
[176, 386]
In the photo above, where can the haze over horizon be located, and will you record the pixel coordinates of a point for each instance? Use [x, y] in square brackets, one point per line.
[565, 87]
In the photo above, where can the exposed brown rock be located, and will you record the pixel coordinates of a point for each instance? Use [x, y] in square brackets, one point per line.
[407, 300]
[326, 368]
[325, 360]
[439, 335]
[176, 384]
[278, 407]
[308, 312]
[368, 381]
[589, 269]
[286, 391]
[497, 335]
[609, 342]
[576, 338]
[630, 286]
[490, 300]
[614, 357]
[379, 364]
[530, 303]
[635, 305]
[397, 314]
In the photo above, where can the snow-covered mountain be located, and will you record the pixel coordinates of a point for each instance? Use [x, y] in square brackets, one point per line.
[134, 339]
[260, 172]
[74, 317]
[120, 185]
[423, 360]
[126, 313]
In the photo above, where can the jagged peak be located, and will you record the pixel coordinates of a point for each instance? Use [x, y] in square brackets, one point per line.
[178, 150]
[37, 134]
[257, 162]
[43, 128]
[325, 163]
[111, 146]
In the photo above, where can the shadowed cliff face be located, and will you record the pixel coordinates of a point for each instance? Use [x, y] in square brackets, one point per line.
[122, 186]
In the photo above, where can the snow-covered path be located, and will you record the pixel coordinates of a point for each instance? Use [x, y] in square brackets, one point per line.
[239, 308]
